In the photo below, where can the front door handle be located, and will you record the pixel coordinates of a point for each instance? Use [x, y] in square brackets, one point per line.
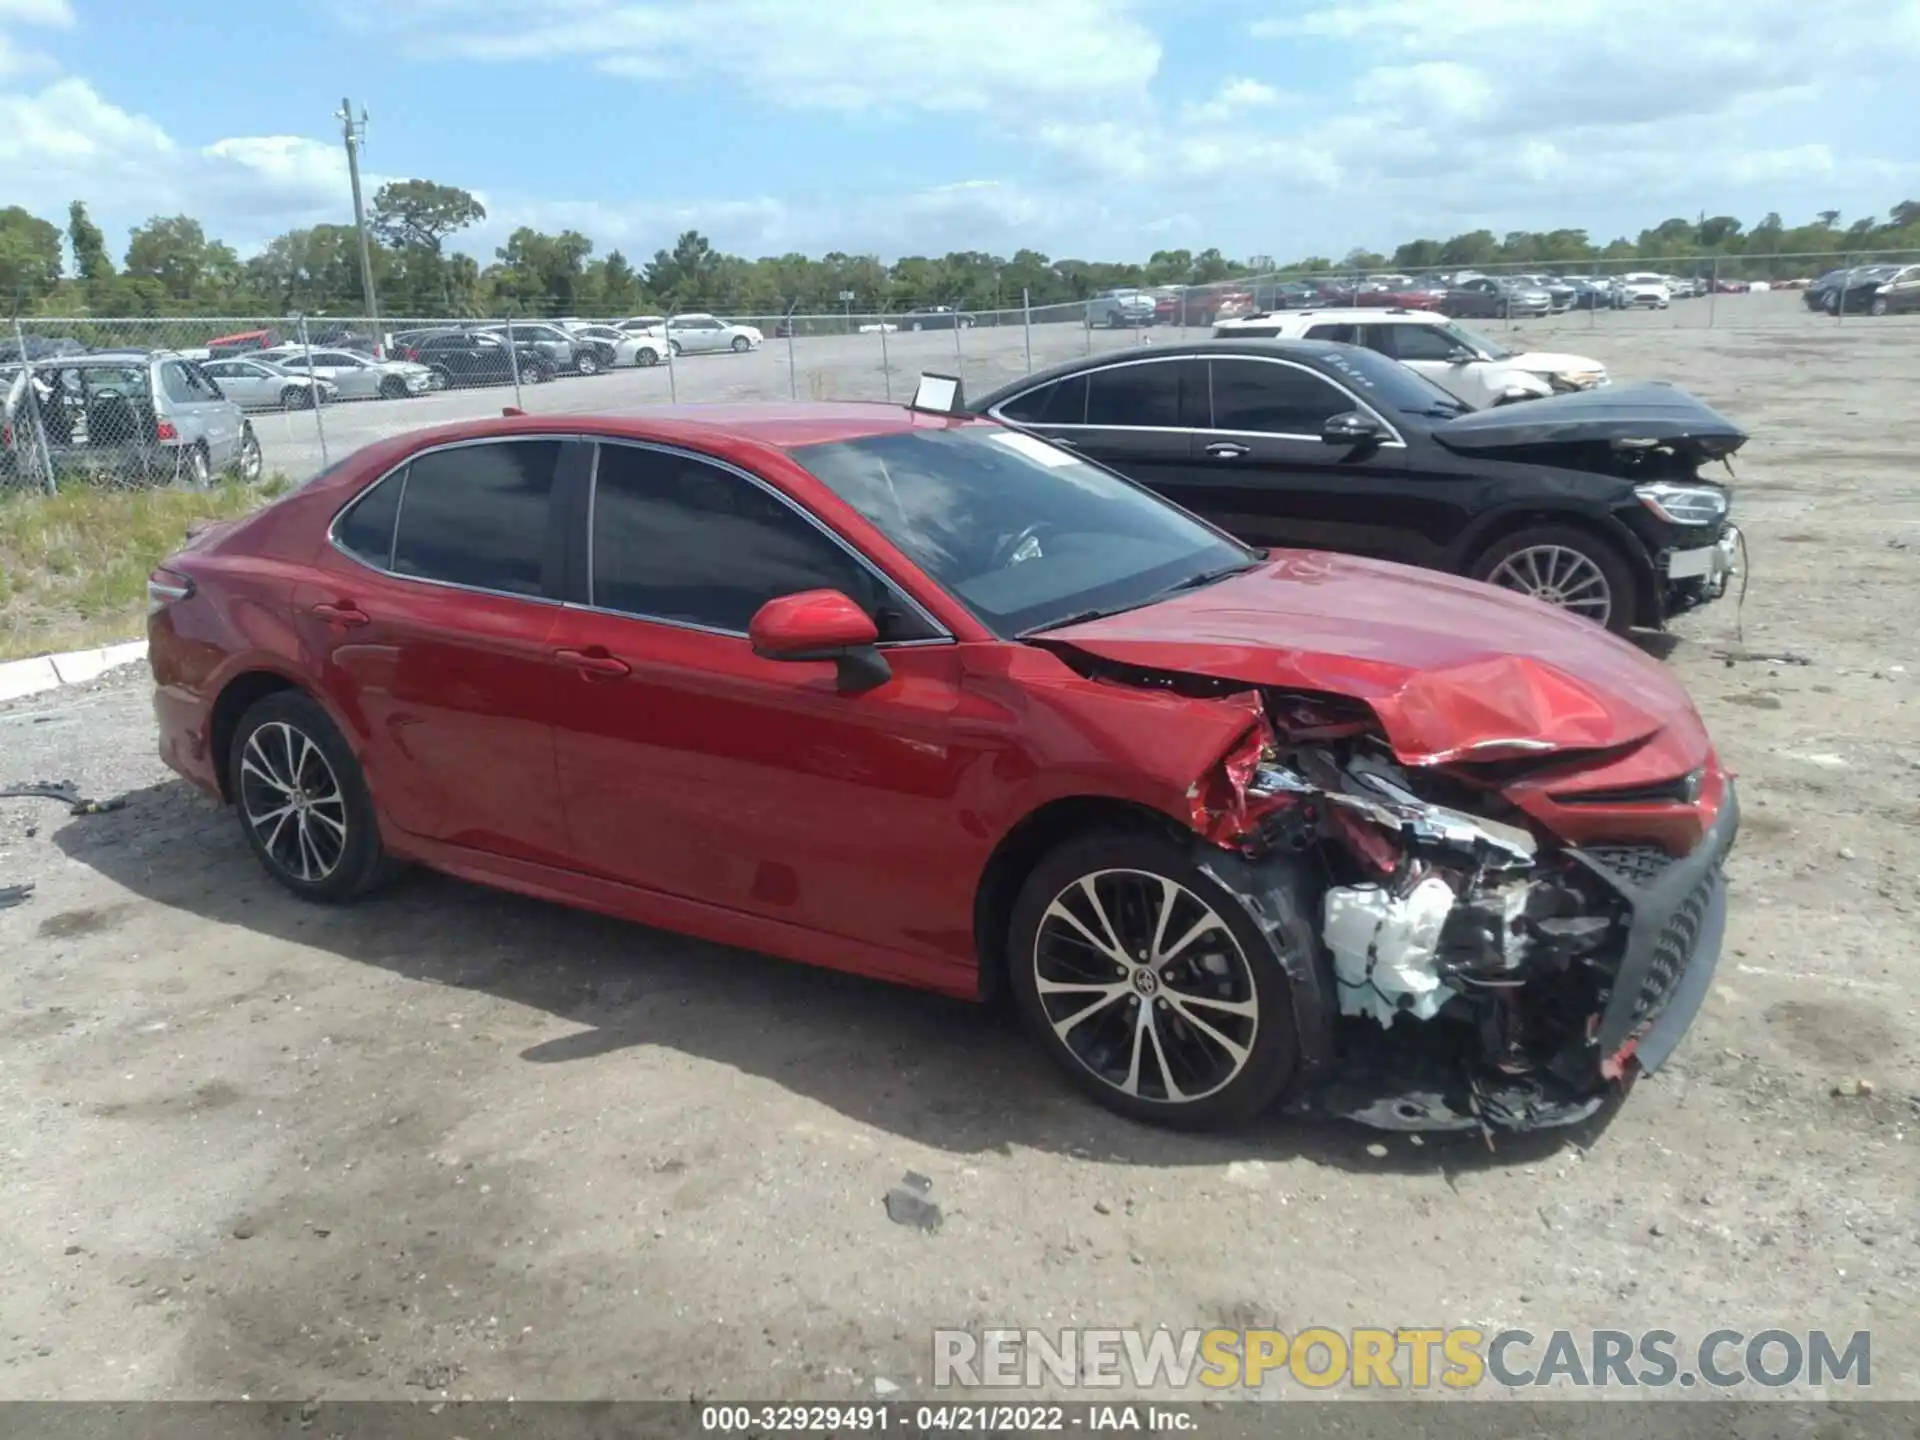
[344, 612]
[1228, 450]
[595, 663]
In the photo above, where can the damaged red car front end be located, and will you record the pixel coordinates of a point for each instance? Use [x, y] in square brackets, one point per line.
[1514, 824]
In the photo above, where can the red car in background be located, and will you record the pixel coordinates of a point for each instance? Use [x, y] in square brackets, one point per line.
[1199, 306]
[918, 696]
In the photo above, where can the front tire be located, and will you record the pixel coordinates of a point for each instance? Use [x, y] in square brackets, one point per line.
[646, 357]
[586, 364]
[741, 344]
[440, 378]
[392, 387]
[1148, 983]
[1567, 567]
[302, 801]
[1879, 305]
[296, 397]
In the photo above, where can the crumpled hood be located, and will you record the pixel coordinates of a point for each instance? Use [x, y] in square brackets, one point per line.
[1550, 362]
[1647, 412]
[1454, 669]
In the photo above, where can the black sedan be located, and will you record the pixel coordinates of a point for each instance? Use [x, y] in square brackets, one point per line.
[1591, 501]
[935, 317]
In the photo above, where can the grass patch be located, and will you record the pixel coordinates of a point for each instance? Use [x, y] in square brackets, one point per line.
[73, 566]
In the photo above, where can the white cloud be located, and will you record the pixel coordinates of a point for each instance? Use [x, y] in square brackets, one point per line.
[901, 54]
[54, 13]
[1235, 98]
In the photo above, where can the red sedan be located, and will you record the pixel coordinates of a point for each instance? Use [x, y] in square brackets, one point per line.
[927, 699]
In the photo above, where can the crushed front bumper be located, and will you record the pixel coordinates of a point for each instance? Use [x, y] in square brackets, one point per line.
[1407, 1079]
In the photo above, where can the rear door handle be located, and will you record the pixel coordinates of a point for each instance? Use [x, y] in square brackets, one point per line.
[1228, 450]
[343, 613]
[591, 663]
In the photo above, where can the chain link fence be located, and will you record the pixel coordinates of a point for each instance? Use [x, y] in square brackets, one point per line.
[185, 400]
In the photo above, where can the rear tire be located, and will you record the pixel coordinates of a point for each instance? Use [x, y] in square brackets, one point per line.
[296, 397]
[196, 468]
[440, 378]
[1879, 305]
[586, 364]
[1560, 565]
[1198, 1035]
[303, 803]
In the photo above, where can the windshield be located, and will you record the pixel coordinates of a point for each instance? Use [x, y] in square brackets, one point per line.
[1474, 340]
[1025, 534]
[1388, 385]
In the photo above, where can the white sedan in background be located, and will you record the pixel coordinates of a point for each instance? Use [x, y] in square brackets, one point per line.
[630, 347]
[356, 377]
[263, 385]
[698, 333]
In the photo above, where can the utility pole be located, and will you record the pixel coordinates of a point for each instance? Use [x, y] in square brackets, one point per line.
[354, 133]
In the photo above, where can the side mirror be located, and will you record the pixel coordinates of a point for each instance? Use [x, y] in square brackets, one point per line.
[1351, 427]
[822, 625]
[1461, 355]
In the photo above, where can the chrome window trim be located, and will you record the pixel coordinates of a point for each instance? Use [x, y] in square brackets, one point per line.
[943, 637]
[1398, 442]
[333, 537]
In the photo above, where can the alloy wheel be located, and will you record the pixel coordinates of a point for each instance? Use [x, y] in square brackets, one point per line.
[250, 463]
[1146, 986]
[293, 801]
[1560, 576]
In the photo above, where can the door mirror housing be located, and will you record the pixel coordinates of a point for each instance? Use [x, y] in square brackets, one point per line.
[1352, 427]
[1461, 355]
[822, 625]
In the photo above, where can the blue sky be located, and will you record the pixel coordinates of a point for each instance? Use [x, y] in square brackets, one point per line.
[1093, 128]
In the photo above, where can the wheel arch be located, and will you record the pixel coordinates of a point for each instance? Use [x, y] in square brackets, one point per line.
[1022, 847]
[1498, 526]
[236, 697]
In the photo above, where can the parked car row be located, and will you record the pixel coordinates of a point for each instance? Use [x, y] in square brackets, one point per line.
[1866, 290]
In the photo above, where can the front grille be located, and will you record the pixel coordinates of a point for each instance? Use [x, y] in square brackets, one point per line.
[1671, 954]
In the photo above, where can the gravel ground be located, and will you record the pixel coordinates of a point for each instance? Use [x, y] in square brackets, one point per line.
[457, 1142]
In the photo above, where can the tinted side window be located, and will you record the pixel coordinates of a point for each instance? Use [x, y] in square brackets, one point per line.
[1146, 394]
[1339, 334]
[1062, 403]
[366, 530]
[675, 538]
[1413, 342]
[1272, 398]
[478, 515]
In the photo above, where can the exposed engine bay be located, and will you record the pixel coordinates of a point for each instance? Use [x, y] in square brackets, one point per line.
[1477, 969]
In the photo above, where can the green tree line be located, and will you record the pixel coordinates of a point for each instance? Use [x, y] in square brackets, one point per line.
[172, 267]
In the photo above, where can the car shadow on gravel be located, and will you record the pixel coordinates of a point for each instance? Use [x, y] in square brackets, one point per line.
[944, 1073]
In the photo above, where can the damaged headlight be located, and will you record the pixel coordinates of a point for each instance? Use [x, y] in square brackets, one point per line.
[1683, 504]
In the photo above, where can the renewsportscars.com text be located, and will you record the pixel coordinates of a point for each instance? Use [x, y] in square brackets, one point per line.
[1400, 1358]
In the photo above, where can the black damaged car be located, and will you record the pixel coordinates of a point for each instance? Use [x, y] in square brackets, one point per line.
[1592, 501]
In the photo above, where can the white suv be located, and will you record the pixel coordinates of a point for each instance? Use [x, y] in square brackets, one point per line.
[1459, 360]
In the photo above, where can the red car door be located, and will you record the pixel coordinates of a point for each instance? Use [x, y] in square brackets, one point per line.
[432, 614]
[691, 766]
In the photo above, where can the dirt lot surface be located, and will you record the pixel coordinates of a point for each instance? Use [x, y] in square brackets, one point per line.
[454, 1141]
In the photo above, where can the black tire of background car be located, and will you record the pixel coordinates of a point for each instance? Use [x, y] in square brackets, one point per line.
[392, 387]
[196, 468]
[364, 864]
[741, 344]
[673, 347]
[1604, 554]
[540, 371]
[914, 326]
[296, 397]
[1879, 305]
[646, 355]
[586, 363]
[1275, 1053]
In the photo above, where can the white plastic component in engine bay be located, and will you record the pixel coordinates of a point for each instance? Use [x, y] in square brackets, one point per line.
[1383, 949]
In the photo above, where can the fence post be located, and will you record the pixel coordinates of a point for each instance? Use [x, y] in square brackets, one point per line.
[1713, 289]
[673, 378]
[313, 384]
[31, 400]
[513, 362]
[959, 356]
[1086, 322]
[1026, 323]
[793, 381]
[886, 364]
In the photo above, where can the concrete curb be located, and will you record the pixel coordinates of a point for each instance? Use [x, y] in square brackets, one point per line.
[19, 678]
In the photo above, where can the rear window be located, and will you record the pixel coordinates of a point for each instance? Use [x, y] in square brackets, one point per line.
[478, 515]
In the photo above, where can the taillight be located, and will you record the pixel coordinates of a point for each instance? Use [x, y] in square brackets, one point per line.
[6, 434]
[412, 354]
[165, 430]
[165, 587]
